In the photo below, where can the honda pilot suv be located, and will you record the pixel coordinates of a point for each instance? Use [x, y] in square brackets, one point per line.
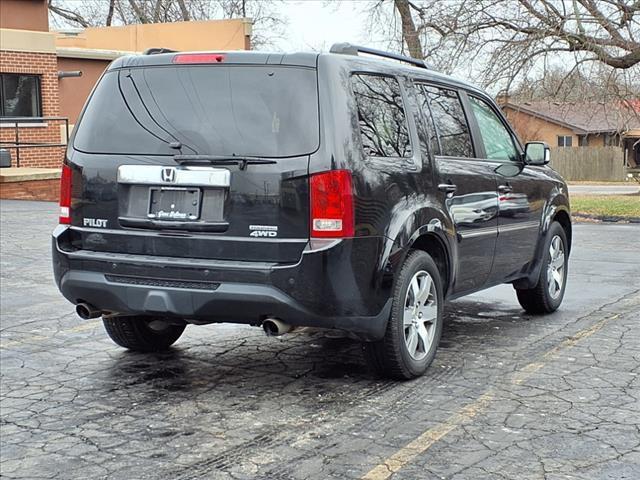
[339, 190]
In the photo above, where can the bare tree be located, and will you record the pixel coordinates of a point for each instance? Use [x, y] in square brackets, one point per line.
[71, 16]
[90, 13]
[572, 85]
[515, 38]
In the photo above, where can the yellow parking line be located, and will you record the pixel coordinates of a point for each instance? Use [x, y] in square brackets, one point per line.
[571, 341]
[421, 444]
[40, 338]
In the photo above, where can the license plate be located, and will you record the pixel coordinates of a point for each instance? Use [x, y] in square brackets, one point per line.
[170, 203]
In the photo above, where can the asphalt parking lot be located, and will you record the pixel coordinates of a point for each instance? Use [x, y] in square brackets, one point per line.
[508, 396]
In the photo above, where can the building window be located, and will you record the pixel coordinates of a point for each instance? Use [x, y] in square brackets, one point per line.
[583, 141]
[383, 125]
[20, 95]
[565, 140]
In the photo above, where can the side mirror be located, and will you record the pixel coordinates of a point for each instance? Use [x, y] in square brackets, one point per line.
[537, 153]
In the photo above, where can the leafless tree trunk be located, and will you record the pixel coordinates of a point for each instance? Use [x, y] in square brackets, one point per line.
[139, 12]
[409, 33]
[185, 12]
[110, 13]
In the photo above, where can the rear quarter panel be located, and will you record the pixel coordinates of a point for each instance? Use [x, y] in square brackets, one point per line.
[395, 200]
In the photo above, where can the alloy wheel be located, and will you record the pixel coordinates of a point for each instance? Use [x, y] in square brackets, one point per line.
[420, 315]
[556, 267]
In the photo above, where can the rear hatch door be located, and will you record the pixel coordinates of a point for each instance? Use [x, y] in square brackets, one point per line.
[199, 161]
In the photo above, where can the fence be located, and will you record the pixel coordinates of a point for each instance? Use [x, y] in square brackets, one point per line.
[605, 164]
[35, 141]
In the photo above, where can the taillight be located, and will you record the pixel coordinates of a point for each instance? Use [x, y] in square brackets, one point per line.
[199, 58]
[332, 204]
[65, 195]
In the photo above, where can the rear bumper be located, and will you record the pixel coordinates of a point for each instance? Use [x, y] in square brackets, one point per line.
[341, 287]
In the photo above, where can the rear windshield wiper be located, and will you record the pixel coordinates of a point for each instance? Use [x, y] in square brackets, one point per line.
[220, 160]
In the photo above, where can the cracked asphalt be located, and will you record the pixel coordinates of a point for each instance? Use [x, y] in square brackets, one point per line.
[508, 396]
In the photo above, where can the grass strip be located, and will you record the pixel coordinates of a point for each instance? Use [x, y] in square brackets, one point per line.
[627, 206]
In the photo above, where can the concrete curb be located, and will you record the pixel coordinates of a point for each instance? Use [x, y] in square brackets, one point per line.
[578, 217]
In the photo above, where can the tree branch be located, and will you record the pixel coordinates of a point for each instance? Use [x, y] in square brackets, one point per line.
[68, 15]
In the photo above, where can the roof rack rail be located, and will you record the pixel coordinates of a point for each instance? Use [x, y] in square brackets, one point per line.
[156, 51]
[350, 49]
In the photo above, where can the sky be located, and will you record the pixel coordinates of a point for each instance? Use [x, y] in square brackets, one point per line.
[317, 24]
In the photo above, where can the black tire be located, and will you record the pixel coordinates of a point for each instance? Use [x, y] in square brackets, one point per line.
[390, 357]
[134, 333]
[539, 299]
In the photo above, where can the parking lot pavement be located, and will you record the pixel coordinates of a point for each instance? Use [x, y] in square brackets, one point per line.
[508, 396]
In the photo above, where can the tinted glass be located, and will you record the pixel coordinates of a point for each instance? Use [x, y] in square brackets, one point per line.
[383, 124]
[497, 141]
[450, 122]
[423, 104]
[20, 95]
[217, 110]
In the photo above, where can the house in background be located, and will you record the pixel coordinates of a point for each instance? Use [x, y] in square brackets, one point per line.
[46, 77]
[572, 124]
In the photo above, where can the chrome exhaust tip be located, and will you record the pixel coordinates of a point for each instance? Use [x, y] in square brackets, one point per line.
[274, 327]
[87, 311]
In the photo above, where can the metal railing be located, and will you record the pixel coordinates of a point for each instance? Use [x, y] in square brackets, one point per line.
[23, 122]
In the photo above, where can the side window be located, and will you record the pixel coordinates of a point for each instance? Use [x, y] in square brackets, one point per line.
[381, 115]
[448, 118]
[497, 140]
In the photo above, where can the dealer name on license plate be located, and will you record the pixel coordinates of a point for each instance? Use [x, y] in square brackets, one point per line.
[171, 203]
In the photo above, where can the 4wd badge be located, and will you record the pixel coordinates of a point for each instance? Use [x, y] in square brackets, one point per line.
[263, 231]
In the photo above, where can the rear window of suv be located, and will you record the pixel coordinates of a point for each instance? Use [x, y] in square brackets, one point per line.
[268, 111]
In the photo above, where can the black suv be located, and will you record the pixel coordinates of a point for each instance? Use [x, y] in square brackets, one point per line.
[333, 190]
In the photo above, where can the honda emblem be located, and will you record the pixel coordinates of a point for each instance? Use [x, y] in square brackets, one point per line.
[169, 175]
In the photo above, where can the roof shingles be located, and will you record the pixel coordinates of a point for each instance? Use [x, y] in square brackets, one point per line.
[582, 118]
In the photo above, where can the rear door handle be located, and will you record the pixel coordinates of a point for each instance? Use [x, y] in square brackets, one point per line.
[505, 189]
[447, 187]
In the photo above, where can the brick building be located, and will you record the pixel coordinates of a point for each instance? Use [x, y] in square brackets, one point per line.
[29, 83]
[46, 77]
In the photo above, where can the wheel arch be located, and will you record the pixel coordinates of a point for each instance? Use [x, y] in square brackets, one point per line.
[432, 244]
[431, 231]
[557, 210]
[564, 219]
